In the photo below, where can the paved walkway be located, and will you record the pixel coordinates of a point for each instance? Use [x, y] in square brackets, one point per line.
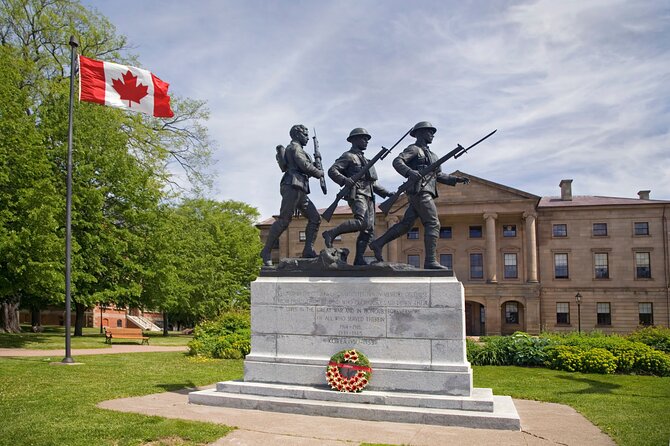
[116, 348]
[543, 424]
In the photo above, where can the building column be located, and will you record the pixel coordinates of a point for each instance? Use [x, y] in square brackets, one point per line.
[531, 246]
[491, 251]
[392, 247]
[493, 322]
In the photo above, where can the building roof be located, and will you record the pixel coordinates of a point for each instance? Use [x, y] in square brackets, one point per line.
[594, 200]
[340, 210]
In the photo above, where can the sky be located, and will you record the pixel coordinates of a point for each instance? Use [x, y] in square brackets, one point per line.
[576, 89]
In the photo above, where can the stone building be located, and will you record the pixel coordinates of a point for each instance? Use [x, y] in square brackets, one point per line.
[525, 261]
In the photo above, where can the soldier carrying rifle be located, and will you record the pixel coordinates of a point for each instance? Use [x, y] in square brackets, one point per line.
[298, 167]
[413, 159]
[361, 198]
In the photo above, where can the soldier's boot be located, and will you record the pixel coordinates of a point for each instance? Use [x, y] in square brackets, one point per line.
[310, 237]
[266, 253]
[343, 228]
[377, 245]
[431, 262]
[361, 246]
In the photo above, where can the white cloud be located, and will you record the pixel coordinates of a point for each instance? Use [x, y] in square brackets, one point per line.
[577, 89]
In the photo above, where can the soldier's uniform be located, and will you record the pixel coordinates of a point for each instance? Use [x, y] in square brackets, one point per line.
[361, 200]
[294, 188]
[421, 199]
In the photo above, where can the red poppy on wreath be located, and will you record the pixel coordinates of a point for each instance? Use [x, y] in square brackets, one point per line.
[348, 371]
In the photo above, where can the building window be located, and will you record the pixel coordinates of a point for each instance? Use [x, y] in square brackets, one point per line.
[601, 265]
[563, 313]
[302, 236]
[642, 265]
[604, 315]
[511, 270]
[561, 266]
[447, 260]
[560, 230]
[413, 234]
[599, 229]
[646, 313]
[475, 231]
[476, 266]
[445, 232]
[509, 230]
[413, 259]
[119, 323]
[511, 313]
[641, 228]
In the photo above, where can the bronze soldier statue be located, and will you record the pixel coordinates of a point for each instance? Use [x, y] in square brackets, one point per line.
[294, 188]
[421, 200]
[361, 200]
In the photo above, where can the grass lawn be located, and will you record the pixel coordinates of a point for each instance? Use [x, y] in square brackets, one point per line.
[43, 404]
[53, 337]
[633, 410]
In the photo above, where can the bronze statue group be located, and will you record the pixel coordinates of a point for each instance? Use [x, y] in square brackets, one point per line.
[358, 179]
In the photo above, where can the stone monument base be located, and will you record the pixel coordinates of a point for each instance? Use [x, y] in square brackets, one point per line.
[481, 410]
[411, 326]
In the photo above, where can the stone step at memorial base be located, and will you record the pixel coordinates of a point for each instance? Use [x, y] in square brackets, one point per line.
[482, 410]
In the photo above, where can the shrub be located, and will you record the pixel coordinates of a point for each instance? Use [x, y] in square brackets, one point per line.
[629, 356]
[564, 357]
[518, 349]
[526, 350]
[576, 359]
[655, 337]
[493, 351]
[227, 337]
[598, 360]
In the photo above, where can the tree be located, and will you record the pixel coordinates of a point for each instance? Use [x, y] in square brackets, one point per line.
[207, 257]
[30, 249]
[121, 160]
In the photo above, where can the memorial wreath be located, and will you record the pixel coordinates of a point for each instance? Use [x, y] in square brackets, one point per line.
[348, 371]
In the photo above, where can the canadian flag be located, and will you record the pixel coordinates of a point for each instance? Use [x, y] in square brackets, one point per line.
[121, 86]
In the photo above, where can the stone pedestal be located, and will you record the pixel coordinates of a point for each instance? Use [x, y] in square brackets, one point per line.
[411, 326]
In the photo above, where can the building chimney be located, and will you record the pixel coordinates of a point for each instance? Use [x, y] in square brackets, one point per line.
[643, 194]
[566, 190]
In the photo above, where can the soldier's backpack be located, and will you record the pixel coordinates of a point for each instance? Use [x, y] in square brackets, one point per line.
[281, 158]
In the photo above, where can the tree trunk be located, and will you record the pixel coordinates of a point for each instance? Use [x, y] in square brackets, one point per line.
[165, 323]
[9, 315]
[79, 319]
[35, 319]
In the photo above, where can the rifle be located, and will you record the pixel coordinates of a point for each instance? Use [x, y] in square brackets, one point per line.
[318, 164]
[345, 191]
[410, 184]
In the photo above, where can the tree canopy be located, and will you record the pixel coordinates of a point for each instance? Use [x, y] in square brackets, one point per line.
[138, 240]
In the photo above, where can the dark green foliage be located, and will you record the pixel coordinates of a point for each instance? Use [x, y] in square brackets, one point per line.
[517, 349]
[655, 337]
[588, 353]
[227, 337]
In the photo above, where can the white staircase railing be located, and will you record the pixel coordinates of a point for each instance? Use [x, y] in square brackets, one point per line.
[143, 323]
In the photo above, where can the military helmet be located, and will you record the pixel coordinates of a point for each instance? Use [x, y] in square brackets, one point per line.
[422, 125]
[358, 131]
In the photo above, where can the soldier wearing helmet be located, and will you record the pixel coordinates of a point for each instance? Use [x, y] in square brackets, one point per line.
[294, 188]
[361, 200]
[421, 200]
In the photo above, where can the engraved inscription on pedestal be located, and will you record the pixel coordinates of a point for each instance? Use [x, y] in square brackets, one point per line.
[411, 328]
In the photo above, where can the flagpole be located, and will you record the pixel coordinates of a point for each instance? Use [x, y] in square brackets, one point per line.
[68, 209]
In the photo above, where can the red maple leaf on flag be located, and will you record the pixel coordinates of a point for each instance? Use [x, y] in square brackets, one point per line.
[128, 88]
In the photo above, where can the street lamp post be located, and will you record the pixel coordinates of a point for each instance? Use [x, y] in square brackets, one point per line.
[578, 298]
